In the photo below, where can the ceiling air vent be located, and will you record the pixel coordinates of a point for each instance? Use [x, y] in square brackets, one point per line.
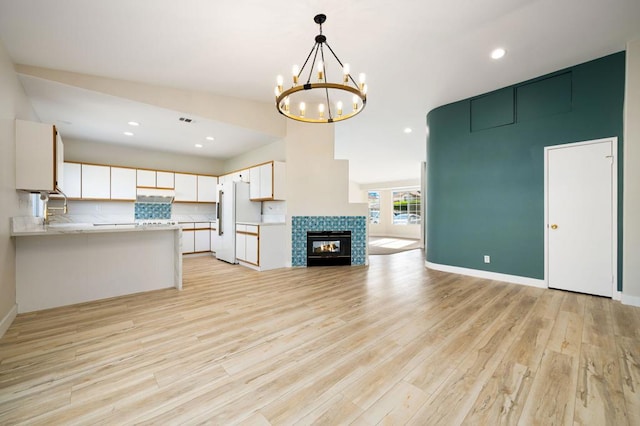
[186, 120]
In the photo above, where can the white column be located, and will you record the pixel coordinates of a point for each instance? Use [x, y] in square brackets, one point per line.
[631, 202]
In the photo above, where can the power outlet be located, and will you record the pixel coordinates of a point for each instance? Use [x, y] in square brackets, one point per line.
[487, 258]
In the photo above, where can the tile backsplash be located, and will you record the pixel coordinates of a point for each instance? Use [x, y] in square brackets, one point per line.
[152, 211]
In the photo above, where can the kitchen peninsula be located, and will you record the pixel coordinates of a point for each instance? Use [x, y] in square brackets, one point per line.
[68, 263]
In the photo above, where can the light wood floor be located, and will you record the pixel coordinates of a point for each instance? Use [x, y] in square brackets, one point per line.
[392, 343]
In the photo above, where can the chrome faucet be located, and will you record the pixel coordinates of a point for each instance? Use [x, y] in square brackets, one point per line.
[47, 210]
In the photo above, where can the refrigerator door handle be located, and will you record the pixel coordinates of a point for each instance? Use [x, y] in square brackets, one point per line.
[220, 202]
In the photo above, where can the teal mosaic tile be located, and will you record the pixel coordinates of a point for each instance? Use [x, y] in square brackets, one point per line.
[152, 211]
[301, 224]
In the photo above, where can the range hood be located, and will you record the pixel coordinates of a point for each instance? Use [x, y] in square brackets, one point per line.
[155, 195]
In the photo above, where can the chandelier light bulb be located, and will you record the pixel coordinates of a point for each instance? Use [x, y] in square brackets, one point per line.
[280, 81]
[361, 78]
[320, 71]
[321, 110]
[302, 108]
[339, 108]
[277, 91]
[286, 104]
[345, 73]
[355, 102]
[364, 89]
[295, 71]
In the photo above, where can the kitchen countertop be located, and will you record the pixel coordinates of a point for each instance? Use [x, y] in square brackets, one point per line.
[261, 223]
[25, 226]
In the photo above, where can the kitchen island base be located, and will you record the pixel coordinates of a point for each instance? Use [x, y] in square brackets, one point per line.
[70, 268]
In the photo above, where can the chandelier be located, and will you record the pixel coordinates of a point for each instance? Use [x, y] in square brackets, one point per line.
[335, 101]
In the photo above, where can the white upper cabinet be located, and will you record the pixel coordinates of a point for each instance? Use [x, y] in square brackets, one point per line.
[267, 181]
[96, 182]
[207, 189]
[123, 183]
[165, 180]
[186, 187]
[254, 183]
[146, 178]
[39, 156]
[72, 179]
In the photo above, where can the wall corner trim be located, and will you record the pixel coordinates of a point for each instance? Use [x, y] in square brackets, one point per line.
[630, 300]
[8, 319]
[514, 279]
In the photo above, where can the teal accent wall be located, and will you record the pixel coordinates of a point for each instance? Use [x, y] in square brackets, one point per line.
[485, 164]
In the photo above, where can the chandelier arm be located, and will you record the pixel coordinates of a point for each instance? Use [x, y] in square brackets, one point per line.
[326, 78]
[341, 64]
[317, 46]
[307, 60]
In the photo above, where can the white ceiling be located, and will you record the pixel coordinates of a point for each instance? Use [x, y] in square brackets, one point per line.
[417, 54]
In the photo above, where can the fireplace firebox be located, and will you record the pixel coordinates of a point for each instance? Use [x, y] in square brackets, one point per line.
[328, 248]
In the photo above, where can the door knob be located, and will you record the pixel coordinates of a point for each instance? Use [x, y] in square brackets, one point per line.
[554, 226]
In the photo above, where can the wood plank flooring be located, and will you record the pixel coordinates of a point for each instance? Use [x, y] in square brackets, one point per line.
[391, 343]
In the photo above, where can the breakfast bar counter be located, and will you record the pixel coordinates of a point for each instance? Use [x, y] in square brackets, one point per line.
[64, 264]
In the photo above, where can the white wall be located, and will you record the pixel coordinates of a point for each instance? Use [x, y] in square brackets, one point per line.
[273, 152]
[317, 183]
[120, 155]
[631, 207]
[13, 104]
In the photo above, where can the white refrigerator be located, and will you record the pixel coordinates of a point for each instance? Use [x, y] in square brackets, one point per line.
[233, 206]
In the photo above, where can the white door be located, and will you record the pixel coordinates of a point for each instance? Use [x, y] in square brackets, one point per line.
[581, 204]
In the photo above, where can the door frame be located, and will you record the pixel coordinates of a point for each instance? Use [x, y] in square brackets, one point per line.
[614, 207]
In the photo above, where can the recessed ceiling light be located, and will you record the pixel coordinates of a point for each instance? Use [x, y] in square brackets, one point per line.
[498, 53]
[133, 123]
[408, 130]
[128, 133]
[209, 138]
[198, 145]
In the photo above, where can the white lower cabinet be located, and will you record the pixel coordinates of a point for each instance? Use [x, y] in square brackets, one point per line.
[247, 249]
[261, 247]
[251, 249]
[202, 240]
[188, 240]
[196, 237]
[241, 250]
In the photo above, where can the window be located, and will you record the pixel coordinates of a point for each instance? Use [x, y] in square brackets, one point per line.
[407, 207]
[374, 207]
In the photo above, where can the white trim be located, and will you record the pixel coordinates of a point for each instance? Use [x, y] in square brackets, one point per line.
[514, 279]
[617, 295]
[614, 207]
[8, 319]
[630, 300]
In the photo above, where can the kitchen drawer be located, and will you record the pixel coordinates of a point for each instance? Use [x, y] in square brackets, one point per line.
[202, 225]
[187, 225]
[241, 228]
[253, 229]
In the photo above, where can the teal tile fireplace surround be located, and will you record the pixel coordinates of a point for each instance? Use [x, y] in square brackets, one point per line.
[301, 224]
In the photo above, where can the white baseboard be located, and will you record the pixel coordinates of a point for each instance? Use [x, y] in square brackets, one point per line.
[617, 295]
[515, 279]
[8, 319]
[630, 300]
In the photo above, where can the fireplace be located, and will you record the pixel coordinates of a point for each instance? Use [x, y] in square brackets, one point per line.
[328, 248]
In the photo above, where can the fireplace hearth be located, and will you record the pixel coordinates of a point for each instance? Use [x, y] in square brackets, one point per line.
[328, 248]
